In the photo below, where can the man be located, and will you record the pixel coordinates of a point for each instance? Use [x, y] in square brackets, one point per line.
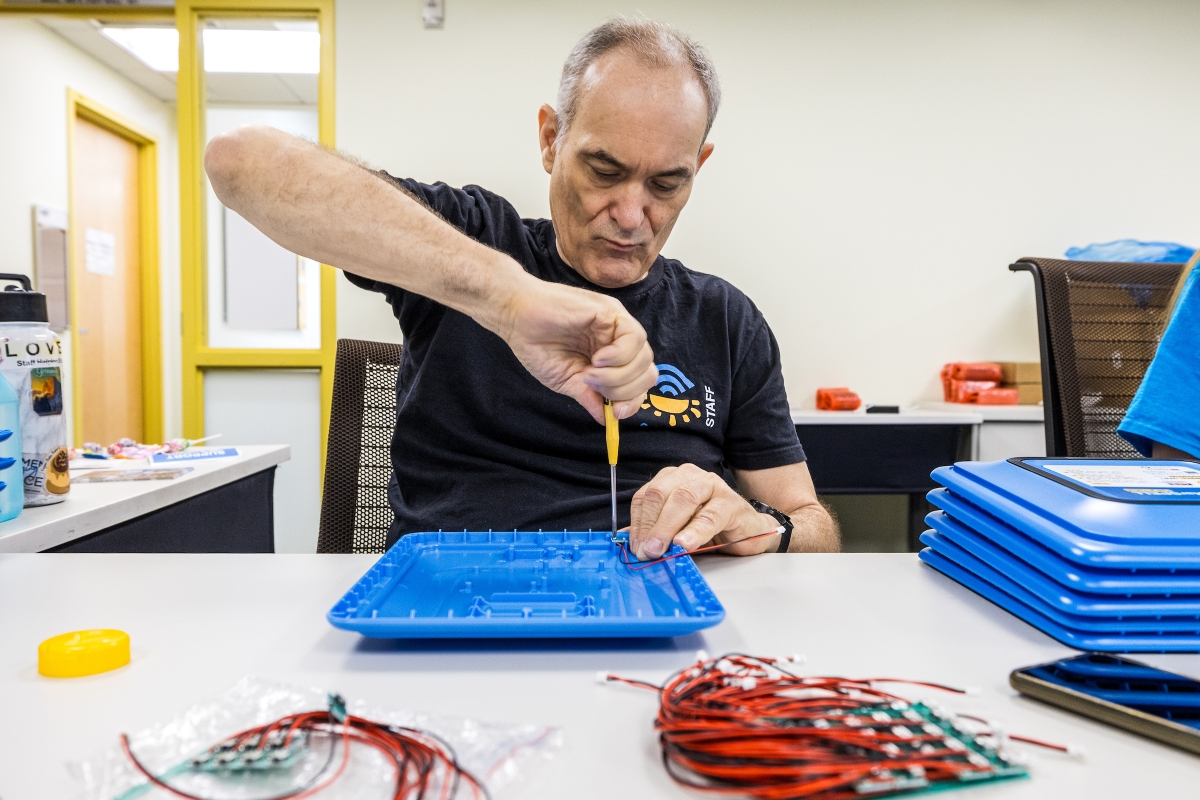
[1163, 421]
[498, 311]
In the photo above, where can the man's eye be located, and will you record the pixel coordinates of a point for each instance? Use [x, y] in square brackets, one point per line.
[665, 188]
[608, 176]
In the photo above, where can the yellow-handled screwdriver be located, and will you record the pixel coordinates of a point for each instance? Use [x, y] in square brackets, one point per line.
[612, 436]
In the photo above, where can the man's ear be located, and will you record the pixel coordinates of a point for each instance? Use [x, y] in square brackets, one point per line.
[548, 136]
[705, 152]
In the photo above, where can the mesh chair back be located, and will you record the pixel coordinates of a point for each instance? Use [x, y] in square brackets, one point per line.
[354, 508]
[1099, 324]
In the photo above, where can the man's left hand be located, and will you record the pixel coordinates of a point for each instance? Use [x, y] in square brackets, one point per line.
[692, 506]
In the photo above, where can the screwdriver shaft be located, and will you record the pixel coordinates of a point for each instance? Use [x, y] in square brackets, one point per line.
[612, 472]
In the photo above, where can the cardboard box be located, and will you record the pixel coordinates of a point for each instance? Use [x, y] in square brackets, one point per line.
[1028, 394]
[1016, 372]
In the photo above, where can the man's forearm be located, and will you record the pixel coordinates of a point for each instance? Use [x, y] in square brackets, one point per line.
[321, 206]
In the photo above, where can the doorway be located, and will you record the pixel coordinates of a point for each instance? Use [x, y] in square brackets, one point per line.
[114, 278]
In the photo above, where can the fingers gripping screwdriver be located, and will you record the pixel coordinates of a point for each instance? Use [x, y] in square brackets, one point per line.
[612, 435]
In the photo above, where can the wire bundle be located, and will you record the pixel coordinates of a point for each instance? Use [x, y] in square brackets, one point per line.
[746, 725]
[425, 766]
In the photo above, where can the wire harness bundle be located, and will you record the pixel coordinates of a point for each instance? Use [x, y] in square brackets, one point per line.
[424, 765]
[747, 725]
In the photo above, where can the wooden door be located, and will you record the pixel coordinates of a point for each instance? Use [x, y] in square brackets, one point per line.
[107, 284]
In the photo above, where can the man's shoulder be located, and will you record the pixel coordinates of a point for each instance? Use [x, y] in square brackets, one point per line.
[711, 293]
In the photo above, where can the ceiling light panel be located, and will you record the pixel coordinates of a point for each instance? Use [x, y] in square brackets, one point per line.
[286, 52]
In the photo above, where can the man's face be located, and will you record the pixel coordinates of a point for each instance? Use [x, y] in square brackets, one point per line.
[624, 170]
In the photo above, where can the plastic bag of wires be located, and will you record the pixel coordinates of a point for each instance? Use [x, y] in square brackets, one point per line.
[424, 765]
[746, 725]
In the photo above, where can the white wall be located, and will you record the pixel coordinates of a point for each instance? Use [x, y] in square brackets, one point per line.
[878, 164]
[270, 406]
[36, 69]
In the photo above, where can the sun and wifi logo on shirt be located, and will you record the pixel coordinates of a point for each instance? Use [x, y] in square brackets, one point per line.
[666, 400]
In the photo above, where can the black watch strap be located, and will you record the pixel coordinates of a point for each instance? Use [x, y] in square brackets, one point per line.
[783, 519]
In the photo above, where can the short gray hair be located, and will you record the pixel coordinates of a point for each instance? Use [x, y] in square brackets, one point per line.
[655, 43]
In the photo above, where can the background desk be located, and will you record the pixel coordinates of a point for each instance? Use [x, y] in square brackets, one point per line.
[850, 452]
[1005, 432]
[200, 622]
[224, 505]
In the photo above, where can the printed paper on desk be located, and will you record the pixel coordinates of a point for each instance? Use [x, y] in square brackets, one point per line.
[194, 454]
[1130, 475]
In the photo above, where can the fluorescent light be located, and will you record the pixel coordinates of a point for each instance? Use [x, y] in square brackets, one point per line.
[280, 52]
[157, 48]
[225, 50]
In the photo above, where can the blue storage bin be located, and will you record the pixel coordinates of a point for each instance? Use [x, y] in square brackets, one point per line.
[1098, 614]
[1101, 554]
[979, 523]
[1081, 640]
[1102, 528]
[523, 584]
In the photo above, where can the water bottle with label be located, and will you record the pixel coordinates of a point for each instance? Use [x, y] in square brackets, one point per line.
[12, 497]
[32, 363]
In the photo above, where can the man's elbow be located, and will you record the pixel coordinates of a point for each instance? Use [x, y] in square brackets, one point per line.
[229, 155]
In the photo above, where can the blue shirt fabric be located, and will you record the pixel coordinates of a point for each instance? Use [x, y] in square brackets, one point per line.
[1166, 407]
[479, 444]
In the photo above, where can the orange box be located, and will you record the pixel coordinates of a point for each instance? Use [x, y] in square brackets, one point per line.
[967, 391]
[837, 399]
[976, 371]
[996, 397]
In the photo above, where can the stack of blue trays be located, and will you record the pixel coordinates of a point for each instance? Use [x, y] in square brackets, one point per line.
[1100, 554]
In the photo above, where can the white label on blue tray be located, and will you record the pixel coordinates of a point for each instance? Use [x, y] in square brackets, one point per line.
[194, 454]
[1141, 476]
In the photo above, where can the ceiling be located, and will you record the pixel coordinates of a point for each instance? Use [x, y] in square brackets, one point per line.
[221, 88]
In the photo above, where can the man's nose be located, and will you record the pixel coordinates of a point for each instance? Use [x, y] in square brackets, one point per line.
[628, 209]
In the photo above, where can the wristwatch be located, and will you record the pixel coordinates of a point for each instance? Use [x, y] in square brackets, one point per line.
[782, 518]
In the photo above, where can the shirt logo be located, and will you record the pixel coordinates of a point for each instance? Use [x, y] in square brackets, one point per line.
[672, 383]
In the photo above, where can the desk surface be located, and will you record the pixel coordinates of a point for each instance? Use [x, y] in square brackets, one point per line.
[200, 622]
[991, 413]
[92, 507]
[907, 416]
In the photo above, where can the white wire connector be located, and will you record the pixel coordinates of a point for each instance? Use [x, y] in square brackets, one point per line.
[1076, 751]
[702, 655]
[972, 690]
[602, 677]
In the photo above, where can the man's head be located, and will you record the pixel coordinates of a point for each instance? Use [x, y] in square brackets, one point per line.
[635, 105]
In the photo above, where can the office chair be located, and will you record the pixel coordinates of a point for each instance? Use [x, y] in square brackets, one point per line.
[1099, 324]
[354, 508]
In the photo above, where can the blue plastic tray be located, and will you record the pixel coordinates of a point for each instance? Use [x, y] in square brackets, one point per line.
[1072, 575]
[518, 585]
[1080, 527]
[1013, 584]
[1071, 638]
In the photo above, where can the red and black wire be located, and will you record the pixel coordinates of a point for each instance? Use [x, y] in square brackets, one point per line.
[746, 725]
[424, 765]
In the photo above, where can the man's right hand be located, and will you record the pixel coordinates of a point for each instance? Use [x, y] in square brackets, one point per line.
[581, 344]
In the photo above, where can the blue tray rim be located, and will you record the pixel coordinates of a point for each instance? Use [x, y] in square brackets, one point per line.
[682, 569]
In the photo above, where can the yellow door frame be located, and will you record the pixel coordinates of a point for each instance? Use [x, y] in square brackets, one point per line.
[82, 108]
[197, 354]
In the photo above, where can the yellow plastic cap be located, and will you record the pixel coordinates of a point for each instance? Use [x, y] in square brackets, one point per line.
[79, 653]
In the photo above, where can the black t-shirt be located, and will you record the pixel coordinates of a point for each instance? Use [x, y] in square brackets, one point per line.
[480, 444]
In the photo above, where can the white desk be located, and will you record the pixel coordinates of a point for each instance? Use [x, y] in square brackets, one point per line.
[1005, 432]
[200, 622]
[907, 416]
[92, 507]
